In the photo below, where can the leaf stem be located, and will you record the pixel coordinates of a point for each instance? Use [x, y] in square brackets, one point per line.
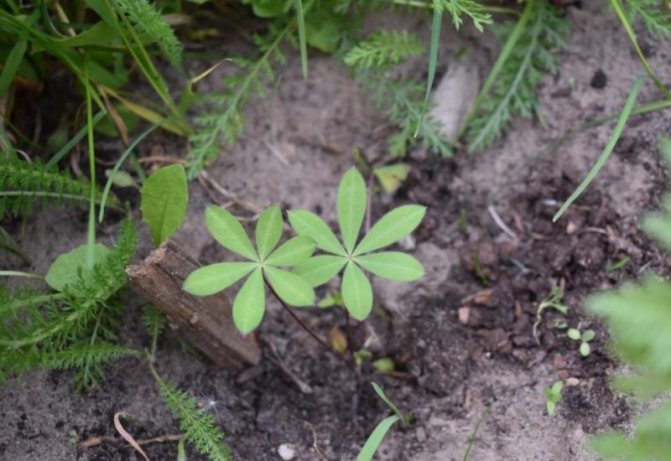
[295, 316]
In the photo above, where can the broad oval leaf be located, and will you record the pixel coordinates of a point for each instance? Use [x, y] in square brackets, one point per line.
[392, 227]
[292, 252]
[357, 293]
[228, 231]
[293, 290]
[250, 303]
[216, 277]
[307, 223]
[65, 269]
[164, 199]
[375, 438]
[268, 230]
[351, 207]
[320, 269]
[392, 265]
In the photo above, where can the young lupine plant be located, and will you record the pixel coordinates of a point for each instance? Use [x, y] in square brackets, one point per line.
[354, 257]
[261, 268]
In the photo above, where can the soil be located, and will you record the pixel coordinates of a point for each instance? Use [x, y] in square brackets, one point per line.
[462, 338]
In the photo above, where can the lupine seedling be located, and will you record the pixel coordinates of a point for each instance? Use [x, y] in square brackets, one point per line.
[296, 288]
[584, 337]
[354, 257]
[553, 396]
[262, 267]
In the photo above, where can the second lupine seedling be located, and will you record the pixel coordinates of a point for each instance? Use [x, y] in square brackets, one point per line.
[268, 265]
[584, 337]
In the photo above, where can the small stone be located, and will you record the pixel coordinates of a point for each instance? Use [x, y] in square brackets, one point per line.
[572, 381]
[464, 313]
[454, 96]
[286, 451]
[571, 227]
[559, 362]
[599, 80]
[420, 433]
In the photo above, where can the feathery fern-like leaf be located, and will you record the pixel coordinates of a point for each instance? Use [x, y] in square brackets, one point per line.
[24, 186]
[460, 8]
[38, 328]
[224, 116]
[148, 20]
[514, 91]
[402, 100]
[655, 17]
[199, 426]
[384, 48]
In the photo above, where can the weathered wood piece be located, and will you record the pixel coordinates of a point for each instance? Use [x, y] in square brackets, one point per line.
[206, 322]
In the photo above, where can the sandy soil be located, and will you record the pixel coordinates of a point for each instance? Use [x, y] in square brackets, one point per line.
[297, 145]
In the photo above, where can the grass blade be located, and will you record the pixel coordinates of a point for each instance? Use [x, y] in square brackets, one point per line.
[622, 15]
[91, 229]
[300, 19]
[117, 166]
[500, 62]
[433, 60]
[63, 151]
[375, 439]
[11, 65]
[619, 127]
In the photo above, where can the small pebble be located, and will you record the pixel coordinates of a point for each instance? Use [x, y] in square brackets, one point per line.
[599, 80]
[572, 381]
[420, 433]
[286, 451]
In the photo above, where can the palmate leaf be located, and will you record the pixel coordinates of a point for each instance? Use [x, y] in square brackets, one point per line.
[392, 227]
[250, 303]
[351, 206]
[216, 277]
[357, 292]
[268, 230]
[392, 265]
[229, 232]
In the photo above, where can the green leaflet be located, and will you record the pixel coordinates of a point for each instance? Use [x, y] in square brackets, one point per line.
[320, 269]
[250, 303]
[392, 227]
[216, 277]
[392, 265]
[229, 232]
[307, 223]
[351, 206]
[165, 197]
[357, 292]
[268, 230]
[292, 252]
[293, 289]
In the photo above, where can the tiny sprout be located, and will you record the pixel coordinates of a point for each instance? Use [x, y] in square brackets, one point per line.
[361, 356]
[553, 396]
[584, 337]
[384, 365]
